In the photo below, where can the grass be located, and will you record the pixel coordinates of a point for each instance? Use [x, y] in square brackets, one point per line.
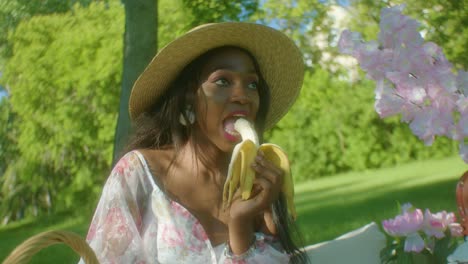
[332, 206]
[14, 234]
[326, 207]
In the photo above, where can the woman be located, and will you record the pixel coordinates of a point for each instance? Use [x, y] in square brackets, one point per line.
[163, 200]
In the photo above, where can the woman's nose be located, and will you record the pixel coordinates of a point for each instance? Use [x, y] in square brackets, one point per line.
[239, 94]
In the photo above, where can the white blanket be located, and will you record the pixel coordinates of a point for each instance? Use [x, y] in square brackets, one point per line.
[361, 246]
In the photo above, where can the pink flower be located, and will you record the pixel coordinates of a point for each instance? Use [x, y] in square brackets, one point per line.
[407, 224]
[413, 78]
[435, 224]
[456, 230]
[404, 224]
[397, 29]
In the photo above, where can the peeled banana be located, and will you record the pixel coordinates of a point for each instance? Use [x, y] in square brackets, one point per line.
[241, 175]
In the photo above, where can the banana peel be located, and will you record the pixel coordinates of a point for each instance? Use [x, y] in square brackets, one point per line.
[241, 175]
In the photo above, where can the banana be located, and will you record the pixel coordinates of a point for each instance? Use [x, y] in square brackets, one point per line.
[240, 175]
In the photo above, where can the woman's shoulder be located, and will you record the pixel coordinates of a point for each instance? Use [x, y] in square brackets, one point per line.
[156, 160]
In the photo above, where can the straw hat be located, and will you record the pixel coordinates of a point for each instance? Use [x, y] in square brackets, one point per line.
[280, 62]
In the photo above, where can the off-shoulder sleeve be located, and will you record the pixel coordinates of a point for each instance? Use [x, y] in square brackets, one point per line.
[265, 249]
[115, 233]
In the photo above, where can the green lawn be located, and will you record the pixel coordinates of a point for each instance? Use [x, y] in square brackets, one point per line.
[332, 206]
[326, 207]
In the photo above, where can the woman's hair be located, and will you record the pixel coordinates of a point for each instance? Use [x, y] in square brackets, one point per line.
[160, 128]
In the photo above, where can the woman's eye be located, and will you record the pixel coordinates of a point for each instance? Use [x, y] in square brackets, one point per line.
[222, 82]
[253, 85]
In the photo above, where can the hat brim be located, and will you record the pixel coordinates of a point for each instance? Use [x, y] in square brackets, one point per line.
[280, 61]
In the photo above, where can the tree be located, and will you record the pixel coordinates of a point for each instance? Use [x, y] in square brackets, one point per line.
[12, 12]
[302, 20]
[140, 45]
[64, 78]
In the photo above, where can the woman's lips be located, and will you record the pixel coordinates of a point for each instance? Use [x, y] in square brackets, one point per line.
[230, 132]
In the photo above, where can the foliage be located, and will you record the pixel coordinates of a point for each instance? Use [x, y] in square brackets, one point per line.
[12, 12]
[64, 79]
[333, 128]
[7, 135]
[178, 16]
[211, 11]
[304, 21]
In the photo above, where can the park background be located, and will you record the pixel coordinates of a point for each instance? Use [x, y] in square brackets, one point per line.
[66, 64]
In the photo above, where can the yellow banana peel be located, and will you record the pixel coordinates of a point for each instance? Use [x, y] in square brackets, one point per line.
[241, 175]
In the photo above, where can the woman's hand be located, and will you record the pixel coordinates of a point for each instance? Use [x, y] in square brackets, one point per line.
[266, 189]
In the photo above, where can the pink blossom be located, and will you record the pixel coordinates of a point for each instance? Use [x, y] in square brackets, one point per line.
[405, 224]
[413, 78]
[388, 102]
[435, 224]
[397, 29]
[456, 230]
[373, 60]
[429, 122]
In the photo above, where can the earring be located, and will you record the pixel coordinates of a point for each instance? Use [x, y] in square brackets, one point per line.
[188, 116]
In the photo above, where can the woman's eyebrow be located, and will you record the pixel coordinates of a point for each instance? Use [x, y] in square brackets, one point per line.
[230, 68]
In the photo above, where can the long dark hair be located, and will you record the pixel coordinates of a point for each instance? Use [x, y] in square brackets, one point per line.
[160, 128]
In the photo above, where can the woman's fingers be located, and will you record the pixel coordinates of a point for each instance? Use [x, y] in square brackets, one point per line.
[267, 169]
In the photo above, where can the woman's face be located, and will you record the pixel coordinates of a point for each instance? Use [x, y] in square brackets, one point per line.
[228, 91]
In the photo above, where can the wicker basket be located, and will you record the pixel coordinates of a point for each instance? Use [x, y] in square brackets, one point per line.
[25, 251]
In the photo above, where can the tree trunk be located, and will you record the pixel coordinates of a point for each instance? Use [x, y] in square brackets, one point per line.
[140, 45]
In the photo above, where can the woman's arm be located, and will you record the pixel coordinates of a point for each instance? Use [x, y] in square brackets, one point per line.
[115, 231]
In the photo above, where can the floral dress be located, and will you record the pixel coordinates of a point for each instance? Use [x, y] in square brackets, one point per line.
[135, 222]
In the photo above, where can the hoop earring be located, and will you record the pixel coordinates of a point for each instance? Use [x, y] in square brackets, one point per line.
[188, 115]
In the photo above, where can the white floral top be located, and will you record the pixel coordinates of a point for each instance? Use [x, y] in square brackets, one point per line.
[135, 222]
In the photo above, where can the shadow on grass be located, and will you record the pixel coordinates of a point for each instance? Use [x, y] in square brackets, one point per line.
[337, 215]
[15, 234]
